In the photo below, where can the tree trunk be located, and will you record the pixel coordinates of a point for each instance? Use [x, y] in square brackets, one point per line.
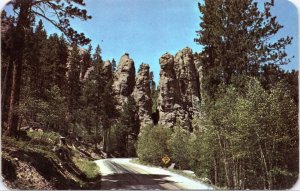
[106, 140]
[18, 47]
[13, 117]
[265, 165]
[226, 161]
[216, 175]
[5, 94]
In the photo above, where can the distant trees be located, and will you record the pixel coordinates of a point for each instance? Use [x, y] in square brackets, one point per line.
[154, 92]
[114, 65]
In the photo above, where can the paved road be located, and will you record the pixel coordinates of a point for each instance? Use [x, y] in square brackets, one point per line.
[120, 173]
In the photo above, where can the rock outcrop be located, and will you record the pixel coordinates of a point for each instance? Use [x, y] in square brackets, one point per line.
[178, 90]
[142, 95]
[124, 80]
[107, 70]
[188, 80]
[179, 96]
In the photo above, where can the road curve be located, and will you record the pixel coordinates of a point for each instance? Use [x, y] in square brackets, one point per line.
[120, 173]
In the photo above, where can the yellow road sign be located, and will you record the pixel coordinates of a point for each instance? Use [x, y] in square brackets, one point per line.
[166, 159]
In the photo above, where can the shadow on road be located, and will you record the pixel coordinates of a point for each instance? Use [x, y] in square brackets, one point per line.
[135, 181]
[121, 175]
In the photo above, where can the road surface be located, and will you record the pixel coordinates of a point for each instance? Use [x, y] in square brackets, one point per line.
[120, 173]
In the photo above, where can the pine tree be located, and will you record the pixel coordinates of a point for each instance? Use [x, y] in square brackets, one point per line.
[93, 93]
[74, 85]
[130, 122]
[236, 39]
[26, 11]
[86, 62]
[6, 65]
[154, 92]
[114, 65]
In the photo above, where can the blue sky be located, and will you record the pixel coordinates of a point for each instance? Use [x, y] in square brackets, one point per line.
[146, 29]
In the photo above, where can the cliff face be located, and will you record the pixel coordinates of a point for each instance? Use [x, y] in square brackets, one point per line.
[142, 95]
[179, 94]
[178, 90]
[124, 80]
[107, 70]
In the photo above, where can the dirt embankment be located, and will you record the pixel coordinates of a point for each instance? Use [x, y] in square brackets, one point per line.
[32, 165]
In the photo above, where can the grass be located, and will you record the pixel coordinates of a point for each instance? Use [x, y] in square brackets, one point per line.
[50, 138]
[89, 168]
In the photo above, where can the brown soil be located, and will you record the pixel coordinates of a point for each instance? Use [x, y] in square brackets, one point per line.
[29, 169]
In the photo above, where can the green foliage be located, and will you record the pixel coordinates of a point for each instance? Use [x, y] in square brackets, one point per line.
[152, 144]
[178, 146]
[48, 114]
[200, 152]
[74, 85]
[25, 12]
[89, 168]
[244, 126]
[117, 139]
[114, 65]
[241, 30]
[256, 131]
[97, 102]
[124, 133]
[154, 92]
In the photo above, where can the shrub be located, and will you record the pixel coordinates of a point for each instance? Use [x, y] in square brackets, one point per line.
[152, 144]
[178, 145]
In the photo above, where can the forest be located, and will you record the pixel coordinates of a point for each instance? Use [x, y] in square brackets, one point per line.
[240, 133]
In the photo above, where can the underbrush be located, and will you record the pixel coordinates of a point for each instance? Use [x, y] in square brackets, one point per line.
[89, 168]
[60, 165]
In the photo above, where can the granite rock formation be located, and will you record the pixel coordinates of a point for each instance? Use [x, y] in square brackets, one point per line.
[124, 80]
[179, 94]
[107, 70]
[142, 95]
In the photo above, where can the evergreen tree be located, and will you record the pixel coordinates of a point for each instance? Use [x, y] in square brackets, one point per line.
[129, 121]
[86, 62]
[26, 11]
[6, 66]
[74, 85]
[114, 65]
[60, 69]
[154, 92]
[290, 80]
[236, 39]
[93, 92]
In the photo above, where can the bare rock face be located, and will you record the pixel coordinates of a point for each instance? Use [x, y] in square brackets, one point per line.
[179, 97]
[124, 79]
[107, 69]
[200, 74]
[142, 95]
[169, 98]
[188, 80]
